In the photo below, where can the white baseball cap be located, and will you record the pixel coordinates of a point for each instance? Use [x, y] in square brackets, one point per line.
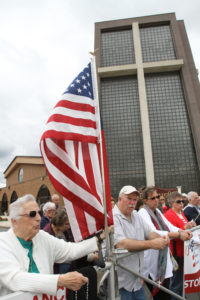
[128, 189]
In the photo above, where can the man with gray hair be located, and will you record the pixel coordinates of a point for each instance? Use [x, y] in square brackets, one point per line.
[56, 200]
[48, 211]
[191, 211]
[134, 234]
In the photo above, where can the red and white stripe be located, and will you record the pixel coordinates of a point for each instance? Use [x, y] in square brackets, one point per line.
[71, 153]
[73, 118]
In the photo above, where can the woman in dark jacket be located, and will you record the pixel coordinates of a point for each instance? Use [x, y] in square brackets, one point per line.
[60, 228]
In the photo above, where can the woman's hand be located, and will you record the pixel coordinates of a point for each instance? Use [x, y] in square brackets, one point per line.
[72, 280]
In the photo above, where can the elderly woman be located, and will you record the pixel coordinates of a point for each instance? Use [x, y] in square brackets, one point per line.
[161, 268]
[48, 210]
[27, 254]
[177, 218]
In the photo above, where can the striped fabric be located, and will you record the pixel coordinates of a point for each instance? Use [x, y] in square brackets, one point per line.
[71, 153]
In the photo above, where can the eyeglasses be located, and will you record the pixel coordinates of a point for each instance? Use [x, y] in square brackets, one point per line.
[180, 201]
[155, 197]
[32, 214]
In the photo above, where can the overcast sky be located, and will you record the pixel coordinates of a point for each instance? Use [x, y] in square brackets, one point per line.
[44, 44]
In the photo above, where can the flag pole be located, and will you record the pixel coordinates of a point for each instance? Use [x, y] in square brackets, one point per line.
[96, 95]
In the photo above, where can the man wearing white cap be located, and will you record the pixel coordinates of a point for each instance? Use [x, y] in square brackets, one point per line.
[133, 234]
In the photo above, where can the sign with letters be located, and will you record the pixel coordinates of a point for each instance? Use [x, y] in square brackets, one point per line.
[61, 295]
[192, 263]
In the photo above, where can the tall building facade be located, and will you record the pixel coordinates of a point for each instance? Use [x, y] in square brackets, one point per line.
[150, 102]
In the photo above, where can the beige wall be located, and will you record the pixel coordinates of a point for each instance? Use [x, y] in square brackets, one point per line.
[30, 172]
[34, 177]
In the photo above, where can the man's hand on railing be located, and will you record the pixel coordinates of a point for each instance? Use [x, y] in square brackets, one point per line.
[159, 243]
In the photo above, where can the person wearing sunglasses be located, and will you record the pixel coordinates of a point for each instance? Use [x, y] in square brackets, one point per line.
[157, 263]
[28, 254]
[176, 216]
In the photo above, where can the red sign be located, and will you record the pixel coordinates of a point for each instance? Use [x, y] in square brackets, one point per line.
[165, 192]
[61, 295]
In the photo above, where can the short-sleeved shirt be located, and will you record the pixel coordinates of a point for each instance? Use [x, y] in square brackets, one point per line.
[136, 229]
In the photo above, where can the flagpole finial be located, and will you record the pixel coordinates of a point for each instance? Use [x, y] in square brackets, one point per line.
[94, 53]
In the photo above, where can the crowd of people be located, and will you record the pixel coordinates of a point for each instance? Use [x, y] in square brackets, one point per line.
[38, 253]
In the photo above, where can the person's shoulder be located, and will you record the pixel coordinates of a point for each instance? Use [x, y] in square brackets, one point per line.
[44, 218]
[136, 215]
[43, 235]
[189, 209]
[172, 217]
[8, 232]
[168, 213]
[45, 239]
[4, 235]
[140, 219]
[159, 211]
[7, 237]
[47, 227]
[142, 209]
[142, 212]
[116, 210]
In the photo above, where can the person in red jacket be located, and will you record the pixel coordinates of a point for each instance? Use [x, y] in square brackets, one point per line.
[178, 219]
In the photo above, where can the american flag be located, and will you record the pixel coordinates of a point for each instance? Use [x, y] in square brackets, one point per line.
[71, 153]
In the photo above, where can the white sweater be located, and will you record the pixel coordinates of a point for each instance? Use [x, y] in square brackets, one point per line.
[47, 250]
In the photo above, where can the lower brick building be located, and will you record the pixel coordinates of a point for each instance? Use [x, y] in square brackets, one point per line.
[26, 175]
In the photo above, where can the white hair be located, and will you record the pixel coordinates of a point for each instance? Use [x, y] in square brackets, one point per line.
[48, 205]
[55, 196]
[16, 208]
[190, 195]
[185, 195]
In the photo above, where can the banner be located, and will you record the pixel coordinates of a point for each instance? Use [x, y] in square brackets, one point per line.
[60, 295]
[165, 192]
[192, 263]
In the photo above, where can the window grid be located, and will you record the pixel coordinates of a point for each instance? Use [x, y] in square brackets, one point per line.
[174, 155]
[123, 133]
[157, 43]
[117, 48]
